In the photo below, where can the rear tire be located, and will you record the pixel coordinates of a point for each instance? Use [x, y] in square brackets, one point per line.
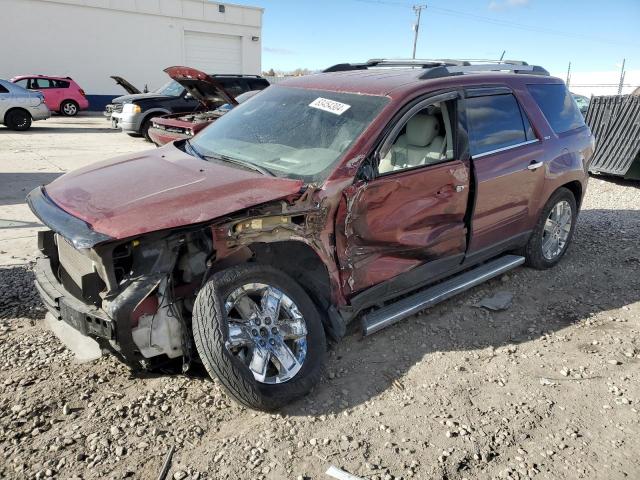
[18, 119]
[231, 360]
[553, 232]
[69, 108]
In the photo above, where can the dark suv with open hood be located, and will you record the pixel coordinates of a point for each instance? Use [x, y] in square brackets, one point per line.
[213, 96]
[133, 113]
[370, 192]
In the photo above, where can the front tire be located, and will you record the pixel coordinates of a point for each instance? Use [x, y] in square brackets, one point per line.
[553, 232]
[260, 334]
[18, 119]
[69, 108]
[144, 131]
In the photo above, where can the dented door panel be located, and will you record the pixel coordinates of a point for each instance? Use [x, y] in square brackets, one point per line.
[399, 221]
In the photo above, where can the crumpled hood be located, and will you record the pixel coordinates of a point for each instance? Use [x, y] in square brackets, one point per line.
[160, 189]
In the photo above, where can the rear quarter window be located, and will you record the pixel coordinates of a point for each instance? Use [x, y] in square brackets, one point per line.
[60, 84]
[258, 84]
[558, 106]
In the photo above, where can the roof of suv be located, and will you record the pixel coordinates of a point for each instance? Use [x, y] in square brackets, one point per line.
[399, 81]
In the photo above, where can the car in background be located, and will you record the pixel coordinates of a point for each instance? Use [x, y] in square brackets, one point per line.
[582, 101]
[19, 107]
[214, 98]
[129, 88]
[61, 94]
[133, 113]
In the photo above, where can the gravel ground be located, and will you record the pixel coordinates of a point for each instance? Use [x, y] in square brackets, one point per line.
[549, 388]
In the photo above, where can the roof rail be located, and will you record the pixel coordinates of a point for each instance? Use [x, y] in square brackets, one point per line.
[508, 66]
[444, 67]
[393, 62]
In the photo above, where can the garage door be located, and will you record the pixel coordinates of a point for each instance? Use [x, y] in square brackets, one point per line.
[213, 53]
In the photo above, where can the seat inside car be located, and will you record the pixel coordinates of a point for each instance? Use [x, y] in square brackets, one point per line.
[421, 144]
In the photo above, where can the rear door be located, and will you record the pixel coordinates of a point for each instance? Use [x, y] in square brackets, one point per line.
[508, 161]
[412, 213]
[59, 91]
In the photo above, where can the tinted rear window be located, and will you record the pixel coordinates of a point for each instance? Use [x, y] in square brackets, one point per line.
[38, 83]
[558, 106]
[495, 122]
[258, 84]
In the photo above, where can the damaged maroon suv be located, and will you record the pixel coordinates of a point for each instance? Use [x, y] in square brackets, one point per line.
[362, 193]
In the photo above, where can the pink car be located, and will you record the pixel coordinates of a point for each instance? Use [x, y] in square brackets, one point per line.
[61, 94]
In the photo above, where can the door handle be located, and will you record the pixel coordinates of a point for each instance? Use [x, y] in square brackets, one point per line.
[534, 165]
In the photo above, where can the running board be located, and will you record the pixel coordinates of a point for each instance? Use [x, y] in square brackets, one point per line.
[390, 314]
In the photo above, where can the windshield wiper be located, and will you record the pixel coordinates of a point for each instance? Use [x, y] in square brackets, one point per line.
[242, 163]
[196, 153]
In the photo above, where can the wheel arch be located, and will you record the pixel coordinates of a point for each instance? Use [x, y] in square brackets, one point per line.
[307, 269]
[303, 264]
[13, 109]
[574, 187]
[151, 114]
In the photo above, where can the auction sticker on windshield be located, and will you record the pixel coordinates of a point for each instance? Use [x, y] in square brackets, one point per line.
[330, 106]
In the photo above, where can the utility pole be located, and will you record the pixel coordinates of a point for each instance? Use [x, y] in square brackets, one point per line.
[416, 27]
[568, 75]
[621, 77]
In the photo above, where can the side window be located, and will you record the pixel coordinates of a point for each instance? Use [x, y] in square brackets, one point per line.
[59, 84]
[257, 84]
[234, 87]
[426, 139]
[40, 83]
[3, 89]
[22, 82]
[557, 105]
[496, 121]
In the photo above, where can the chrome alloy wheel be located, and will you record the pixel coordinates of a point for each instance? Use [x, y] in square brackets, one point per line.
[556, 230]
[266, 331]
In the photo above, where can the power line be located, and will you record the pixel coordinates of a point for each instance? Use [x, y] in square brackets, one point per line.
[498, 22]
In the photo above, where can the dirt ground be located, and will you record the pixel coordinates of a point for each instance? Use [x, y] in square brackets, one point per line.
[547, 389]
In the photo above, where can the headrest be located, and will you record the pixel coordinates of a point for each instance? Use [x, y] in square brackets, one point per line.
[422, 129]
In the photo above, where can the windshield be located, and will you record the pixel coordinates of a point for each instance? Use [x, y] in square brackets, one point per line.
[171, 88]
[291, 132]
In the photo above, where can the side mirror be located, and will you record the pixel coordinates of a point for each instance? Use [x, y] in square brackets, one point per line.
[366, 172]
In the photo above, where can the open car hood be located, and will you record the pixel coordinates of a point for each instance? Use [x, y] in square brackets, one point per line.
[161, 189]
[126, 85]
[201, 86]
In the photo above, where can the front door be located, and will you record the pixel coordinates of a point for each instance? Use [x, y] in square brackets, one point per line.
[508, 162]
[413, 212]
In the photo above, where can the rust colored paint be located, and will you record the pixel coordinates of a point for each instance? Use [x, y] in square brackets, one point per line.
[507, 194]
[401, 220]
[160, 189]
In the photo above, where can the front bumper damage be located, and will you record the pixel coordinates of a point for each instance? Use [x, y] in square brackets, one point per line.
[82, 290]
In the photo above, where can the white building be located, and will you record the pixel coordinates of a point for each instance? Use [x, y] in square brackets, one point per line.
[90, 40]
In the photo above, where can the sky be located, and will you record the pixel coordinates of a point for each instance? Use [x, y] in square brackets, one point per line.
[594, 36]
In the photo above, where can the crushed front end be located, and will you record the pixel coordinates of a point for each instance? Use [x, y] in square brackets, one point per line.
[122, 293]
